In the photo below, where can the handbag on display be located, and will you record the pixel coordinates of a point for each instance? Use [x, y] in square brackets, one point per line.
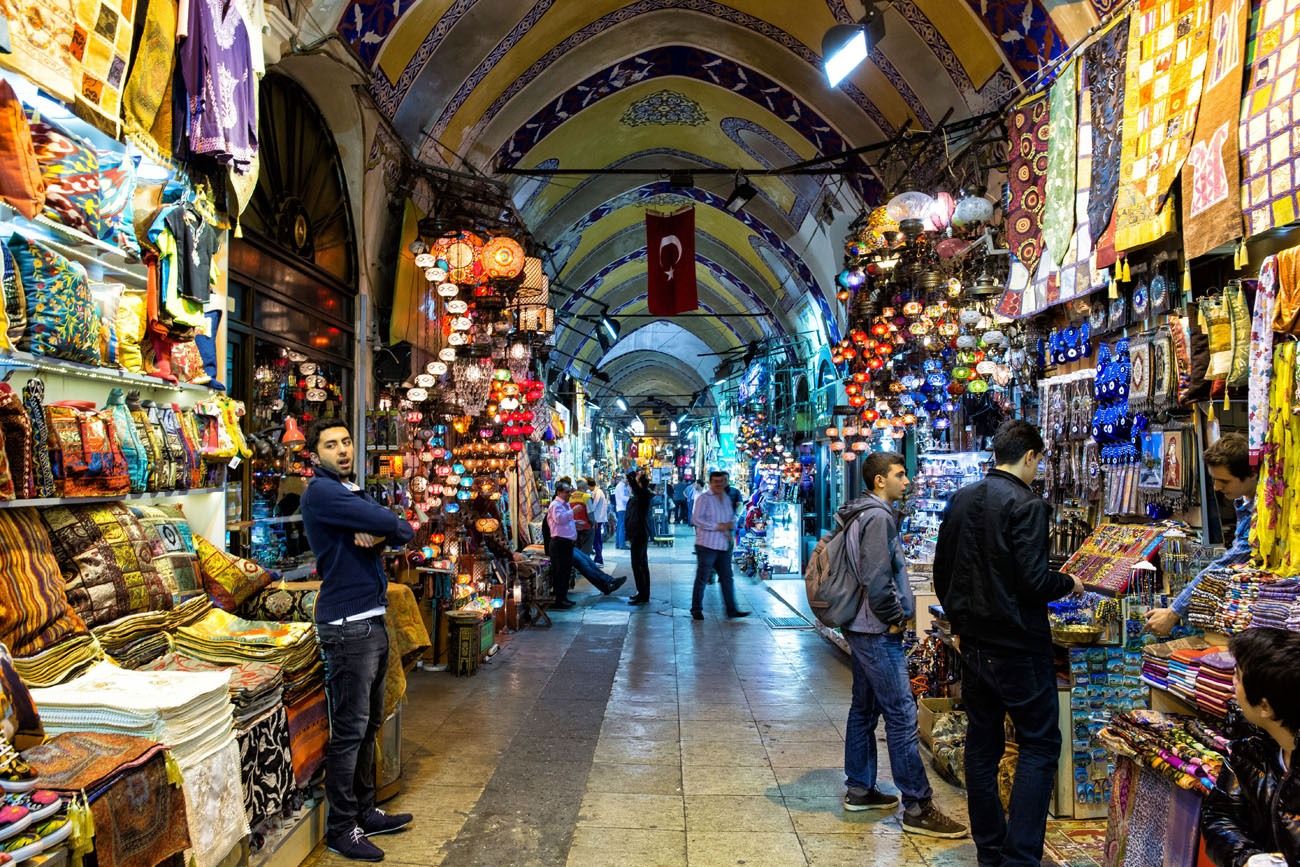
[16, 431]
[134, 449]
[84, 453]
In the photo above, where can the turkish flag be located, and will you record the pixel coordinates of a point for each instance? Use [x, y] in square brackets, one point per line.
[670, 262]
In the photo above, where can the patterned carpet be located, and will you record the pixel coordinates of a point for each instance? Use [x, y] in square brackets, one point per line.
[1075, 844]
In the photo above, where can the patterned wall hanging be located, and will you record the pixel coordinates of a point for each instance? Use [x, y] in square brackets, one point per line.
[1271, 115]
[1103, 64]
[40, 35]
[1167, 56]
[101, 46]
[1028, 180]
[1058, 218]
[1211, 186]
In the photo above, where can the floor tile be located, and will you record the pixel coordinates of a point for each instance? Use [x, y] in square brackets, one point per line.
[647, 729]
[715, 849]
[598, 847]
[729, 780]
[841, 850]
[646, 812]
[793, 754]
[736, 813]
[634, 779]
[725, 753]
[637, 751]
[828, 816]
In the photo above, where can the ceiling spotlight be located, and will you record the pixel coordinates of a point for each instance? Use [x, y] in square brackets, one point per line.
[610, 326]
[845, 46]
[621, 404]
[741, 196]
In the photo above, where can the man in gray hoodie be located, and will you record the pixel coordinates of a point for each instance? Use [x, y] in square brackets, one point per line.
[880, 683]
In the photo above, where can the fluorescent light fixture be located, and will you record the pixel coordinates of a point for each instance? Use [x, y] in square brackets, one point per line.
[843, 49]
[720, 382]
[610, 326]
[621, 404]
[594, 406]
[681, 419]
[741, 196]
[672, 428]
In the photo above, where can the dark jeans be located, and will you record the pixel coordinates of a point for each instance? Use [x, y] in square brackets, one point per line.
[586, 539]
[641, 565]
[356, 658]
[881, 688]
[681, 511]
[620, 535]
[561, 567]
[588, 569]
[600, 544]
[995, 684]
[708, 560]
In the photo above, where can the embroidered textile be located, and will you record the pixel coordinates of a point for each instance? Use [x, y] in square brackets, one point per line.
[40, 34]
[1271, 116]
[34, 614]
[217, 66]
[266, 766]
[1104, 63]
[1286, 313]
[1212, 187]
[1277, 518]
[1167, 56]
[1062, 163]
[1123, 792]
[69, 658]
[61, 320]
[309, 734]
[214, 804]
[1027, 176]
[146, 99]
[101, 47]
[16, 442]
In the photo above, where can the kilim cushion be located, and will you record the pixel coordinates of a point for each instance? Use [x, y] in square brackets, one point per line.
[34, 613]
[229, 580]
[168, 532]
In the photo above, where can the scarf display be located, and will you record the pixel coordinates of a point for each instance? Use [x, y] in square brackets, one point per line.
[1058, 216]
[1277, 517]
[1168, 41]
[1027, 174]
[1103, 64]
[1164, 744]
[1269, 184]
[1261, 359]
[1212, 194]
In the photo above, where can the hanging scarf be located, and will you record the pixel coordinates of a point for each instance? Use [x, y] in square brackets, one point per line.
[1211, 195]
[1058, 218]
[1270, 530]
[1268, 189]
[1261, 358]
[1028, 180]
[1286, 313]
[1104, 62]
[147, 97]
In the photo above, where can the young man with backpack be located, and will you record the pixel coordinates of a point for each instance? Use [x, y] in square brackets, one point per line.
[874, 553]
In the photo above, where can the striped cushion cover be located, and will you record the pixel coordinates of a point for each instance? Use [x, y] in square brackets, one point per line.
[34, 613]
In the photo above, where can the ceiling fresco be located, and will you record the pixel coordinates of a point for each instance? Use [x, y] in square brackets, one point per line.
[662, 85]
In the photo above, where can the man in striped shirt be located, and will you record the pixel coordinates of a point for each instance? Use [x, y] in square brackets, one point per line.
[714, 519]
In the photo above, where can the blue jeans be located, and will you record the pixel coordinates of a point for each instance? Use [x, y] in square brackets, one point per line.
[356, 657]
[881, 688]
[709, 560]
[588, 569]
[599, 543]
[620, 536]
[995, 684]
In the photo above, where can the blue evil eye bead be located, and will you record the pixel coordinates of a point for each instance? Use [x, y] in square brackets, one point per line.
[458, 469]
[464, 495]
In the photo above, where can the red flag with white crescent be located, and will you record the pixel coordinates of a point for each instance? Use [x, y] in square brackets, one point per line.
[670, 262]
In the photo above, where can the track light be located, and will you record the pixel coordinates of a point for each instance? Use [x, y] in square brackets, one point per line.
[845, 46]
[741, 196]
[621, 404]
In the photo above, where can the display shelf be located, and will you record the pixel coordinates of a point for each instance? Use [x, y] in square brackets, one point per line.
[1166, 700]
[74, 501]
[299, 573]
[24, 361]
[264, 522]
[73, 244]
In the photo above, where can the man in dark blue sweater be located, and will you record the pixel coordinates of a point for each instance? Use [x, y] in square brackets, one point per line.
[347, 531]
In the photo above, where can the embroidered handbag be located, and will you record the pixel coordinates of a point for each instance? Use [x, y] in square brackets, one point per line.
[84, 453]
[1234, 300]
[16, 430]
[133, 447]
[148, 436]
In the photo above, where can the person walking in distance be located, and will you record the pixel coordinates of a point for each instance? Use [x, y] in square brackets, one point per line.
[564, 537]
[638, 533]
[881, 686]
[599, 513]
[991, 574]
[347, 530]
[622, 496]
[715, 522]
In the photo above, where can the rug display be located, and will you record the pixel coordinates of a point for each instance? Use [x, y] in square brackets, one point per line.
[1062, 163]
[1029, 130]
[1270, 115]
[1075, 843]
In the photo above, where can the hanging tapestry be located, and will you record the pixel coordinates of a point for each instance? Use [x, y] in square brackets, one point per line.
[1103, 64]
[40, 35]
[1058, 218]
[1271, 113]
[146, 98]
[1211, 192]
[1167, 46]
[1028, 180]
[101, 46]
[214, 805]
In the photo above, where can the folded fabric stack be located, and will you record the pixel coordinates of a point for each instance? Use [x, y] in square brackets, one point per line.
[139, 813]
[1184, 666]
[1238, 605]
[133, 640]
[1278, 605]
[1155, 658]
[1203, 609]
[188, 711]
[1173, 746]
[309, 735]
[68, 658]
[1214, 686]
[255, 687]
[1155, 670]
[225, 639]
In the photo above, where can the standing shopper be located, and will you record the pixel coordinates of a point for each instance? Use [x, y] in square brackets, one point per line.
[599, 513]
[564, 537]
[696, 488]
[990, 572]
[580, 502]
[622, 496]
[715, 522]
[637, 528]
[347, 531]
[881, 686]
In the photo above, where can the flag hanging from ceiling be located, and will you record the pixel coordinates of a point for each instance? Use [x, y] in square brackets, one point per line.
[670, 262]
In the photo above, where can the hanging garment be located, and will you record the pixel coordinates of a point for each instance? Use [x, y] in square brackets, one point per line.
[1104, 63]
[1270, 116]
[1274, 522]
[146, 100]
[217, 67]
[1027, 177]
[1261, 358]
[1286, 314]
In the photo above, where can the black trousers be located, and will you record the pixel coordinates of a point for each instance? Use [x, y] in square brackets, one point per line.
[641, 564]
[561, 567]
[356, 658]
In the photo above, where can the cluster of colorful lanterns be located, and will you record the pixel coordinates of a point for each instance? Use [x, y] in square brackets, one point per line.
[757, 438]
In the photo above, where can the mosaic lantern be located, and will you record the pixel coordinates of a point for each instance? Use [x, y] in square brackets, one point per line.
[502, 258]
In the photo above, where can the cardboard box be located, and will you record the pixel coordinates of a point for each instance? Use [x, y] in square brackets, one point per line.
[926, 711]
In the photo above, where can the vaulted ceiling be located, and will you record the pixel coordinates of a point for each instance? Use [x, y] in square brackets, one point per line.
[688, 84]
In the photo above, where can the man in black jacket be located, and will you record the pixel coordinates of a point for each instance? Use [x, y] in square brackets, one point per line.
[1255, 806]
[990, 572]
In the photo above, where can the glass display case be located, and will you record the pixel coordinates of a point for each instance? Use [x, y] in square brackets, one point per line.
[784, 537]
[938, 476]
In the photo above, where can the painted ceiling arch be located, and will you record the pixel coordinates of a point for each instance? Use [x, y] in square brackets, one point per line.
[687, 347]
[648, 374]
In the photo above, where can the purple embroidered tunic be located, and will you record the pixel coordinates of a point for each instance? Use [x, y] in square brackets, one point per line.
[217, 67]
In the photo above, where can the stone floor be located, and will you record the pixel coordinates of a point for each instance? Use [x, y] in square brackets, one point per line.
[640, 737]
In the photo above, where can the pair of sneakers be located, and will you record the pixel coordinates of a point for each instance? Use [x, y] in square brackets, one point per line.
[355, 844]
[924, 818]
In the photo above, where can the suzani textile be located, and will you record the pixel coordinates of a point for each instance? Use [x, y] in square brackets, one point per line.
[1103, 64]
[1167, 54]
[1029, 129]
[1212, 178]
[1270, 114]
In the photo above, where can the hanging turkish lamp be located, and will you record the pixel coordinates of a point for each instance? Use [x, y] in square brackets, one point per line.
[971, 210]
[502, 258]
[910, 211]
[881, 230]
[535, 288]
[940, 215]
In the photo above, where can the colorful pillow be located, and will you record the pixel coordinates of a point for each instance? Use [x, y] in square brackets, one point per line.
[61, 320]
[168, 531]
[131, 323]
[107, 562]
[116, 191]
[34, 612]
[14, 300]
[21, 184]
[70, 170]
[229, 580]
[107, 297]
